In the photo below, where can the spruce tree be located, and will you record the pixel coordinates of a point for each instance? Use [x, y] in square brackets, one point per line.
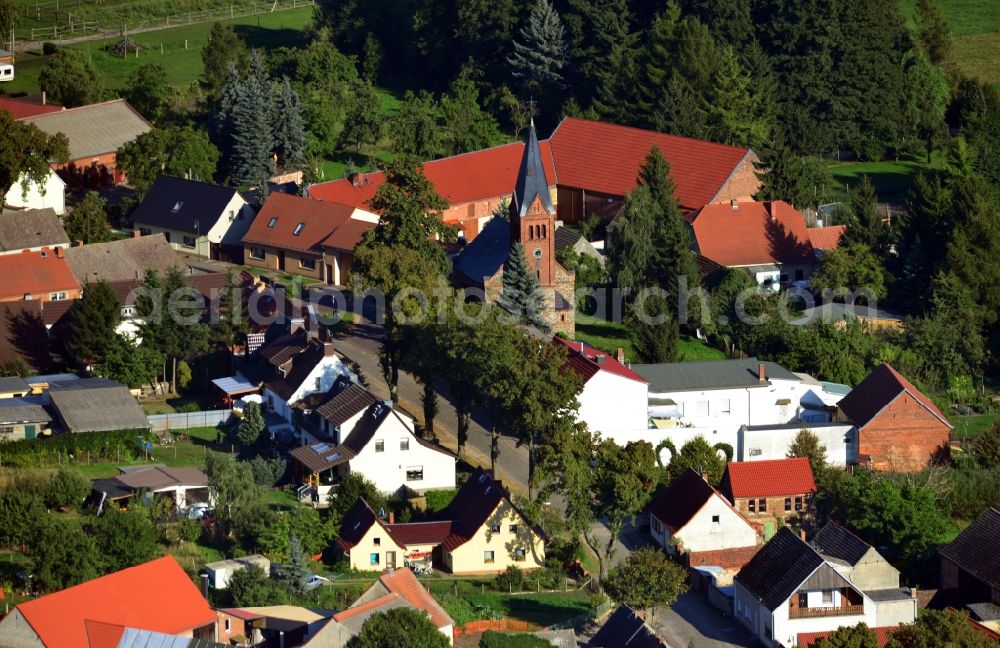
[653, 330]
[521, 295]
[94, 318]
[290, 136]
[296, 572]
[738, 113]
[250, 126]
[88, 222]
[540, 53]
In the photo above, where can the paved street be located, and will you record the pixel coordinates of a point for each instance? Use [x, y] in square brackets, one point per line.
[693, 622]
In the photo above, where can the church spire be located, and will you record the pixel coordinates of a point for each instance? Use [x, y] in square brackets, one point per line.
[531, 181]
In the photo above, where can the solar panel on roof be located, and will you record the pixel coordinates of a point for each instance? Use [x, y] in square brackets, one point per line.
[320, 448]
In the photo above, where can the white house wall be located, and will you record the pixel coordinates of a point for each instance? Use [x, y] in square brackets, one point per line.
[772, 443]
[387, 469]
[233, 223]
[51, 194]
[731, 531]
[610, 402]
[786, 630]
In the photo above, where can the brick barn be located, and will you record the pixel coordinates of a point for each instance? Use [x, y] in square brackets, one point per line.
[899, 429]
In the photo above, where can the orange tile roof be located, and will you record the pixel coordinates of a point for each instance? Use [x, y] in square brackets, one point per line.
[366, 607]
[403, 583]
[459, 179]
[810, 639]
[769, 478]
[754, 233]
[157, 596]
[103, 635]
[605, 158]
[35, 272]
[21, 109]
[826, 238]
[347, 236]
[318, 220]
[587, 361]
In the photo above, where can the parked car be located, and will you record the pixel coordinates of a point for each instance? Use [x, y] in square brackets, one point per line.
[198, 511]
[315, 581]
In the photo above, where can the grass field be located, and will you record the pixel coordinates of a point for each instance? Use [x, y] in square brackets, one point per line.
[966, 426]
[611, 336]
[892, 179]
[975, 26]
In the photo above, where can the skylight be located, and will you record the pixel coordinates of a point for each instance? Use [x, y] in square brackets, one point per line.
[298, 229]
[177, 206]
[271, 223]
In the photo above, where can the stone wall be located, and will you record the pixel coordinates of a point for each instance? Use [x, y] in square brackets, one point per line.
[743, 184]
[903, 437]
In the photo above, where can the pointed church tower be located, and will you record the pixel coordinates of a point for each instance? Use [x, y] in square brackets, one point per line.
[532, 216]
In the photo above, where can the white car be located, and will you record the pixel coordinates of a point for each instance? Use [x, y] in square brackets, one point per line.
[315, 581]
[198, 511]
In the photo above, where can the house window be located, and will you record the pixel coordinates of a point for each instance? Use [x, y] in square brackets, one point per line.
[788, 504]
[827, 597]
[128, 311]
[798, 503]
[701, 408]
[752, 506]
[58, 296]
[257, 253]
[520, 554]
[513, 529]
[271, 223]
[188, 241]
[715, 519]
[373, 559]
[404, 444]
[7, 429]
[377, 542]
[307, 264]
[415, 473]
[298, 229]
[229, 625]
[495, 527]
[762, 505]
[488, 557]
[380, 446]
[319, 383]
[725, 407]
[756, 452]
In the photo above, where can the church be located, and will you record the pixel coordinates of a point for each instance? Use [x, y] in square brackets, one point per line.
[531, 221]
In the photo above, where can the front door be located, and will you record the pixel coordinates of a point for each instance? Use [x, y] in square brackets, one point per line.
[390, 559]
[29, 432]
[281, 260]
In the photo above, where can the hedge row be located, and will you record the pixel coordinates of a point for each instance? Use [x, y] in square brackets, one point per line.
[118, 445]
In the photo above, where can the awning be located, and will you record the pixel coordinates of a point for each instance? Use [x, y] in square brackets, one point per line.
[235, 385]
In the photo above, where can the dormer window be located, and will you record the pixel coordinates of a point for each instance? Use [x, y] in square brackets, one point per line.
[177, 206]
[298, 229]
[271, 223]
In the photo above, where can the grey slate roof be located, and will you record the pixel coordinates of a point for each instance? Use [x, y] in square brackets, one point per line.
[977, 549]
[624, 629]
[95, 129]
[890, 594]
[712, 374]
[183, 205]
[779, 568]
[531, 181]
[835, 542]
[30, 229]
[14, 384]
[487, 253]
[124, 260]
[96, 405]
[566, 237]
[23, 410]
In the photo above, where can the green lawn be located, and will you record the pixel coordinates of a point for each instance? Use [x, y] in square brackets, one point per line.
[892, 180]
[611, 336]
[470, 603]
[966, 426]
[190, 452]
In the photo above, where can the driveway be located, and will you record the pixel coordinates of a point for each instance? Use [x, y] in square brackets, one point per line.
[693, 622]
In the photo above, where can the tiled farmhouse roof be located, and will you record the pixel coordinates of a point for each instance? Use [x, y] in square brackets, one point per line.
[770, 478]
[752, 233]
[882, 386]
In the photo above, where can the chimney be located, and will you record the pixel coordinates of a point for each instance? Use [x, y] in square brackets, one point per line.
[734, 204]
[761, 372]
[357, 179]
[802, 534]
[620, 355]
[136, 233]
[913, 592]
[296, 324]
[59, 253]
[204, 586]
[328, 349]
[392, 517]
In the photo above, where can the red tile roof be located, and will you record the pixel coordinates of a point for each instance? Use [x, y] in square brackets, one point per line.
[365, 607]
[810, 639]
[34, 273]
[587, 361]
[459, 179]
[157, 596]
[318, 220]
[755, 233]
[605, 158]
[103, 635]
[826, 238]
[682, 500]
[882, 386]
[403, 583]
[420, 533]
[21, 109]
[771, 478]
[347, 236]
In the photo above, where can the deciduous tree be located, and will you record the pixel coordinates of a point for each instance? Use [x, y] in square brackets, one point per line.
[414, 128]
[352, 487]
[399, 628]
[935, 628]
[126, 538]
[26, 153]
[174, 151]
[467, 127]
[646, 579]
[934, 32]
[69, 79]
[363, 123]
[857, 636]
[63, 555]
[148, 91]
[807, 444]
[700, 456]
[88, 221]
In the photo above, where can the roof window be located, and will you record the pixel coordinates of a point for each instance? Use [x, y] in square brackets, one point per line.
[177, 206]
[298, 229]
[271, 223]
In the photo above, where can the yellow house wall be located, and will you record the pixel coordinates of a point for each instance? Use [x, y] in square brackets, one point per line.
[360, 554]
[469, 558]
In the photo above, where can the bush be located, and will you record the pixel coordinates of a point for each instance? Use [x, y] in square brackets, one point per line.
[438, 500]
[121, 445]
[68, 487]
[511, 580]
[49, 48]
[267, 472]
[189, 530]
[187, 407]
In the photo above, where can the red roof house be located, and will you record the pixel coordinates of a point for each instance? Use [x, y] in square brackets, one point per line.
[899, 428]
[811, 639]
[40, 276]
[591, 165]
[768, 238]
[23, 109]
[614, 398]
[157, 596]
[775, 487]
[825, 239]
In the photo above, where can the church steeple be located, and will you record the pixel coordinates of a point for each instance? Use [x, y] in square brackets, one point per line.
[531, 180]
